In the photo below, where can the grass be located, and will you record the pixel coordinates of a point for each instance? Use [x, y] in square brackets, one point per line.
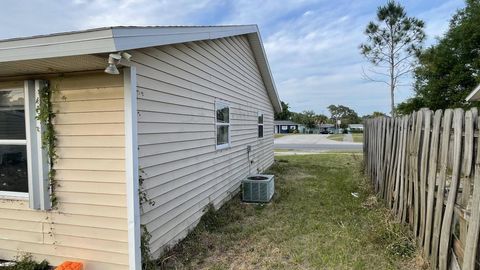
[314, 222]
[278, 135]
[357, 137]
[336, 137]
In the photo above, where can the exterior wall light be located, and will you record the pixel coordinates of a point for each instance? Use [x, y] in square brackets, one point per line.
[114, 60]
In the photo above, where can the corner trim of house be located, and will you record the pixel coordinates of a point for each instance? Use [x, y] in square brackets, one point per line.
[131, 167]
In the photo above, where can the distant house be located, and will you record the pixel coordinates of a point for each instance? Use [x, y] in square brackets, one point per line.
[284, 126]
[327, 128]
[474, 95]
[355, 128]
[182, 108]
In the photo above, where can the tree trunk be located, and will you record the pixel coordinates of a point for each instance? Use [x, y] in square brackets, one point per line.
[392, 74]
[392, 98]
[392, 71]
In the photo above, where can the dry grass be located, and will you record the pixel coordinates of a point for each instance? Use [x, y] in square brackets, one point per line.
[357, 137]
[314, 222]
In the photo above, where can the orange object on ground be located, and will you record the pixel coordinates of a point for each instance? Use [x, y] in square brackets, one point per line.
[70, 266]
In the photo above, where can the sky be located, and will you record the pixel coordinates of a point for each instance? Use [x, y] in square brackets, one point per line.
[311, 45]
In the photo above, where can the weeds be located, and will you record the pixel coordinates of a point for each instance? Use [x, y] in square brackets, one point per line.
[199, 241]
[26, 262]
[313, 222]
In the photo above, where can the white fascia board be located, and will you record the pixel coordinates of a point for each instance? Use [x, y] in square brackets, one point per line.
[474, 95]
[111, 39]
[262, 62]
[136, 38]
[75, 43]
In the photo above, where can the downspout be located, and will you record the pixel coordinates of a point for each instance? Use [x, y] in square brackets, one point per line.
[131, 168]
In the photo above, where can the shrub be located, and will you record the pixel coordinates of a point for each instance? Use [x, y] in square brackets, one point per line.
[26, 262]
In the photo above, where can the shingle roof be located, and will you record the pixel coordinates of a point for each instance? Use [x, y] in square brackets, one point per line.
[284, 123]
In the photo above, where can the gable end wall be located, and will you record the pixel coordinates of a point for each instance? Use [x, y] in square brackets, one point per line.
[183, 171]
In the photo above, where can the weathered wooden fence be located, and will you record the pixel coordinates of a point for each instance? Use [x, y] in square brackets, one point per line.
[426, 167]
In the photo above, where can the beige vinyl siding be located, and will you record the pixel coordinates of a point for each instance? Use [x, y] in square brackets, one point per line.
[183, 171]
[91, 222]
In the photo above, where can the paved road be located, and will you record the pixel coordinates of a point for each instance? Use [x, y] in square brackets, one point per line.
[314, 142]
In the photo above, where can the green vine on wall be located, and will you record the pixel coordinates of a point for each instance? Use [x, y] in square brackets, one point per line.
[46, 116]
[147, 262]
[142, 193]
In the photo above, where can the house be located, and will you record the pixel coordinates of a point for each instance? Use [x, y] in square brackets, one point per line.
[327, 128]
[284, 126]
[474, 95]
[175, 112]
[355, 128]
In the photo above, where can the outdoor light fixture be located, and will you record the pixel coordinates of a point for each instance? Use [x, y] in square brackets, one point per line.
[114, 60]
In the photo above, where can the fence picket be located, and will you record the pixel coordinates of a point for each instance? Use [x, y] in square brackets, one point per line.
[393, 162]
[415, 177]
[452, 193]
[466, 172]
[473, 229]
[432, 177]
[425, 146]
[437, 221]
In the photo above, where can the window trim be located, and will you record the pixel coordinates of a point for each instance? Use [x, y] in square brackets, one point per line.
[259, 113]
[38, 195]
[229, 144]
[15, 195]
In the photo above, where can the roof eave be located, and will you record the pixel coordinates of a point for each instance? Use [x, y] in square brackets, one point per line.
[474, 95]
[113, 39]
[263, 65]
[135, 38]
[69, 44]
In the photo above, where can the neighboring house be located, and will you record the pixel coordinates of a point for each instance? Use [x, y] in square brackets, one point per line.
[327, 128]
[184, 112]
[355, 128]
[474, 95]
[284, 126]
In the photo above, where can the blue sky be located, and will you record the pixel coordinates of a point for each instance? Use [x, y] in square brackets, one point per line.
[312, 46]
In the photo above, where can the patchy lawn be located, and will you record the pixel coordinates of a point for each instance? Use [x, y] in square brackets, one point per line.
[278, 135]
[314, 222]
[357, 137]
[336, 137]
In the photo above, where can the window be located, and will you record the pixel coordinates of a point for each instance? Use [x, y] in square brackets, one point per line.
[260, 125]
[23, 166]
[13, 142]
[222, 124]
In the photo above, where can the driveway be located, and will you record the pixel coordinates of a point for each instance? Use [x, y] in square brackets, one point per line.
[314, 142]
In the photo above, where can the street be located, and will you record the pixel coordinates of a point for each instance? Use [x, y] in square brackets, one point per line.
[314, 142]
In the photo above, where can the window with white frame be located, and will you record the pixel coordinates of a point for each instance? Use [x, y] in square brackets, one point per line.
[222, 124]
[13, 141]
[260, 125]
[23, 172]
